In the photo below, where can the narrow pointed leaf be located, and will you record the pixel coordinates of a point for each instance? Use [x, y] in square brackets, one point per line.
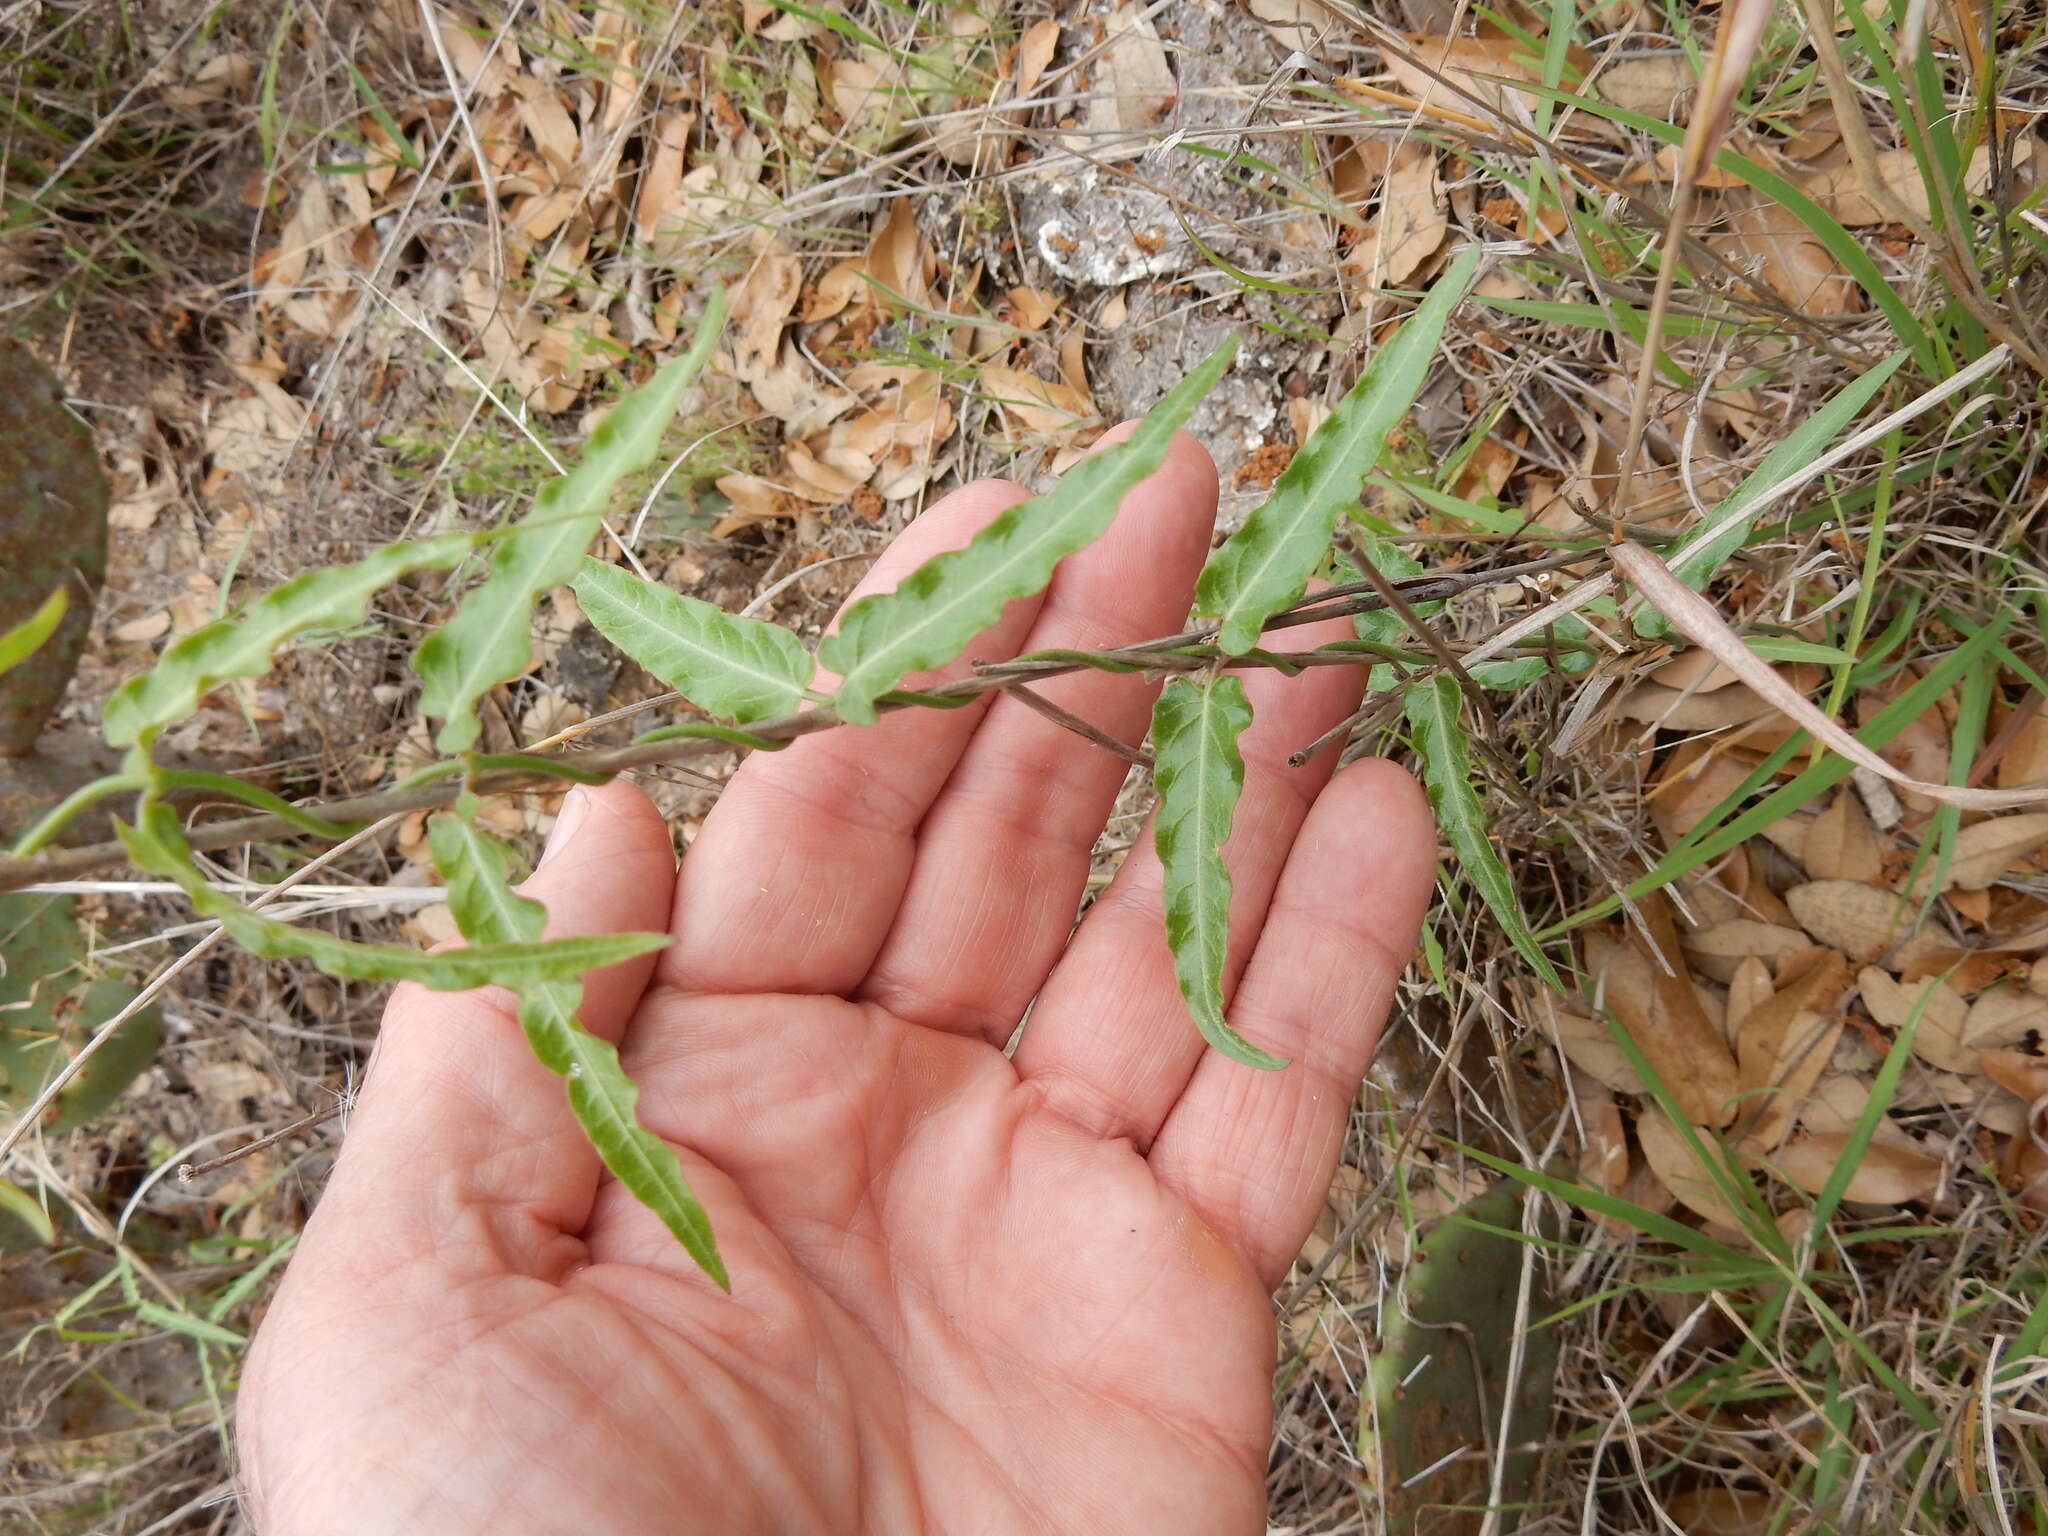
[242, 644]
[1199, 772]
[1446, 755]
[943, 604]
[156, 844]
[1266, 564]
[22, 641]
[486, 643]
[721, 662]
[603, 1098]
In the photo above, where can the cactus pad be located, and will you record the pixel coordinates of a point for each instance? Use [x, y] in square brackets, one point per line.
[49, 1004]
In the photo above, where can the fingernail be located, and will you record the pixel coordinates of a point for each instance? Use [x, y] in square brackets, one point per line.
[575, 806]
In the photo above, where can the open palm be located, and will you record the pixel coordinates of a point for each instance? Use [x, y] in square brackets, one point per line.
[971, 1292]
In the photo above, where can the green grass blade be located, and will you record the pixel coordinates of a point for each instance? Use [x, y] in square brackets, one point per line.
[27, 637]
[942, 605]
[242, 644]
[1446, 756]
[1200, 773]
[1600, 1203]
[486, 643]
[1728, 528]
[27, 1209]
[603, 1099]
[1266, 564]
[721, 662]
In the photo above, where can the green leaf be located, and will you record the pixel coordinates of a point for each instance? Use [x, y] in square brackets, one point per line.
[242, 644]
[1195, 726]
[156, 844]
[1266, 564]
[486, 643]
[26, 1208]
[1789, 648]
[26, 638]
[1446, 755]
[1696, 560]
[943, 604]
[721, 662]
[602, 1097]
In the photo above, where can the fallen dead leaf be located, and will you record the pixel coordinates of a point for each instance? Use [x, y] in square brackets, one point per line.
[1134, 85]
[2003, 1019]
[1764, 236]
[2026, 759]
[1863, 922]
[1719, 950]
[1888, 1174]
[1658, 1005]
[1653, 84]
[1680, 1170]
[1943, 1016]
[1035, 50]
[1452, 72]
[1412, 219]
[1989, 849]
[1842, 845]
[1603, 1157]
[1783, 1047]
[1038, 405]
[1723, 1512]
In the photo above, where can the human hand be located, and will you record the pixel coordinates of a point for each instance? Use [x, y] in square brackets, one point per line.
[969, 1292]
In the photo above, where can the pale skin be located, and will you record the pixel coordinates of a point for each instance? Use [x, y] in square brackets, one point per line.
[971, 1293]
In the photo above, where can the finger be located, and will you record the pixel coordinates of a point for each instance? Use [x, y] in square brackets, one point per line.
[456, 1112]
[1110, 1042]
[1002, 858]
[793, 882]
[1253, 1151]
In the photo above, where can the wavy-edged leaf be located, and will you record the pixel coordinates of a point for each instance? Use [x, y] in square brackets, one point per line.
[1446, 755]
[1266, 564]
[26, 638]
[156, 844]
[943, 604]
[486, 642]
[1727, 529]
[242, 644]
[724, 663]
[1199, 772]
[603, 1098]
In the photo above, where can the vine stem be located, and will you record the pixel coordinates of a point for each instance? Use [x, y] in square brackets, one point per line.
[1330, 602]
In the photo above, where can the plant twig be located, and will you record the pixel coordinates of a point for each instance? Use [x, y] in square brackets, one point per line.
[69, 863]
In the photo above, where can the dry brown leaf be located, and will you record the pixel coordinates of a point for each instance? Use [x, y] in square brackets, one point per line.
[1673, 709]
[1943, 1016]
[1041, 40]
[754, 500]
[2023, 1076]
[1297, 25]
[1679, 1168]
[1464, 63]
[1603, 1156]
[1413, 217]
[1723, 1512]
[1748, 989]
[1966, 972]
[1887, 1175]
[1652, 83]
[1133, 87]
[1835, 1107]
[1842, 845]
[762, 302]
[2003, 1019]
[1990, 849]
[1919, 750]
[2030, 1175]
[1767, 238]
[1692, 783]
[1784, 1046]
[1038, 405]
[1839, 187]
[2026, 759]
[1588, 1047]
[1030, 308]
[1718, 951]
[1661, 1011]
[1694, 671]
[1863, 922]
